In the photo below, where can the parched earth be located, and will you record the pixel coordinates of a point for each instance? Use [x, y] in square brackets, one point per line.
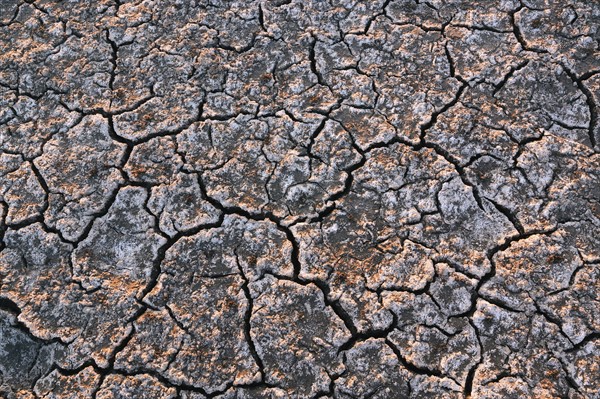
[299, 199]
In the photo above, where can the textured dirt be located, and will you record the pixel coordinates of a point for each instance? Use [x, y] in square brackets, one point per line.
[299, 199]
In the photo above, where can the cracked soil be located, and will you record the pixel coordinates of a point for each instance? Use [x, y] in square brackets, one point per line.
[299, 199]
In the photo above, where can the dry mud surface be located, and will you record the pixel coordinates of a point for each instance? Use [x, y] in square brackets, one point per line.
[299, 199]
